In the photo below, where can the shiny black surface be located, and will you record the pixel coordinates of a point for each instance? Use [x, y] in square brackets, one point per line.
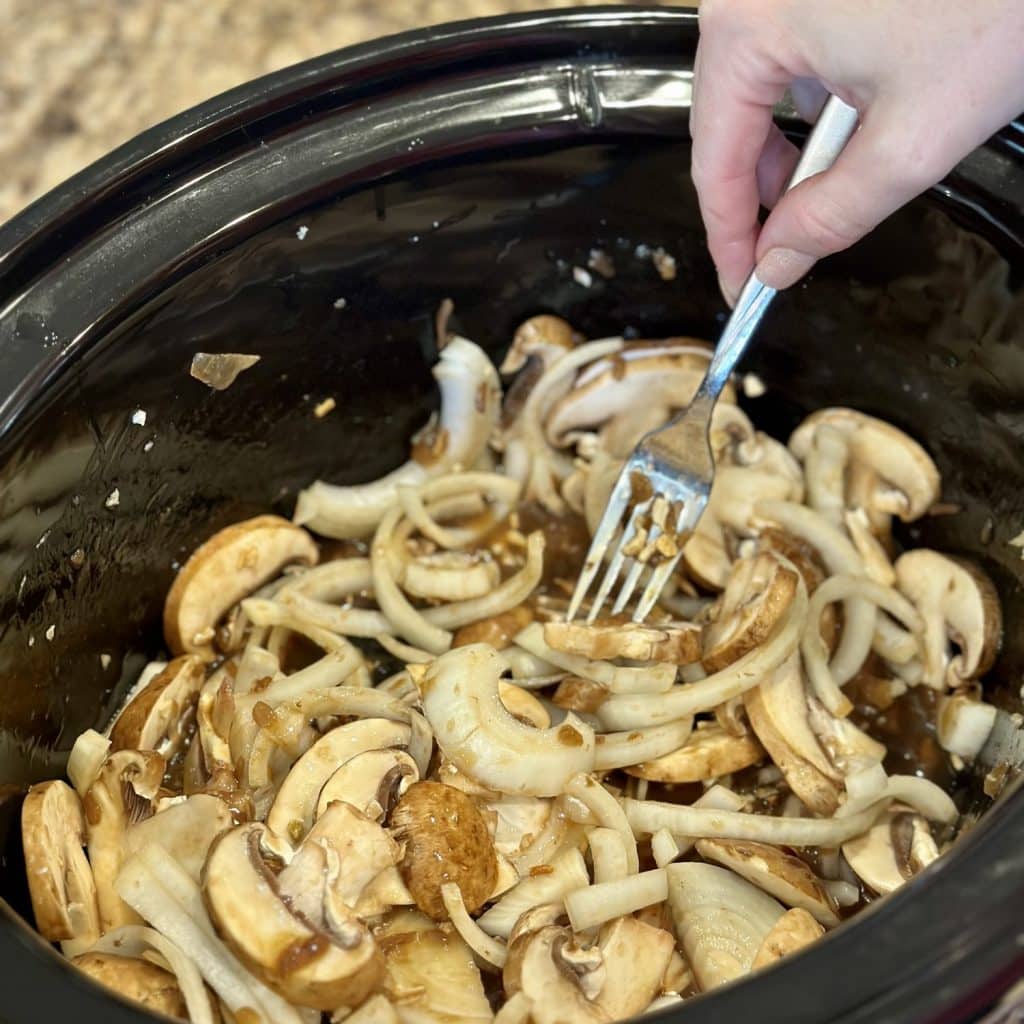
[481, 163]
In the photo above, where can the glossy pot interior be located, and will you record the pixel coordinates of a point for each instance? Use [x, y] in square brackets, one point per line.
[480, 163]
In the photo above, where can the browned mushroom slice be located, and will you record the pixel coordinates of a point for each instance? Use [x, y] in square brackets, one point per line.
[497, 631]
[756, 598]
[780, 874]
[545, 335]
[121, 795]
[636, 959]
[576, 694]
[560, 977]
[904, 480]
[60, 881]
[228, 567]
[446, 840]
[794, 930]
[678, 643]
[818, 792]
[709, 753]
[157, 718]
[958, 603]
[306, 945]
[892, 851]
[137, 980]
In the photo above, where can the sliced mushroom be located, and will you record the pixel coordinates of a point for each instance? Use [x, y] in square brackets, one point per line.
[778, 873]
[891, 852]
[958, 603]
[377, 1009]
[306, 946]
[818, 791]
[186, 830]
[561, 978]
[709, 753]
[756, 598]
[86, 758]
[544, 336]
[498, 631]
[576, 694]
[636, 959]
[60, 880]
[431, 974]
[903, 478]
[794, 930]
[677, 643]
[158, 717]
[228, 567]
[523, 706]
[371, 782]
[137, 980]
[446, 840]
[121, 796]
[663, 373]
[962, 725]
[721, 920]
[291, 813]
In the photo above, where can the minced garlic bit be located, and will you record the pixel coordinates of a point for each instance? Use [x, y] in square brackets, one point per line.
[113, 499]
[139, 417]
[324, 407]
[1018, 542]
[219, 370]
[582, 277]
[51, 632]
[340, 303]
[753, 386]
[665, 264]
[301, 233]
[105, 661]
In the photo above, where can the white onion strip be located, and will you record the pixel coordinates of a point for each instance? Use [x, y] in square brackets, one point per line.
[135, 940]
[501, 489]
[489, 950]
[607, 854]
[590, 907]
[648, 816]
[323, 623]
[664, 847]
[636, 711]
[617, 679]
[608, 812]
[402, 651]
[624, 749]
[843, 587]
[921, 794]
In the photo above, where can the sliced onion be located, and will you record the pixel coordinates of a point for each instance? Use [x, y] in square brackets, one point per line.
[504, 492]
[625, 749]
[608, 811]
[629, 711]
[552, 837]
[592, 906]
[921, 794]
[324, 624]
[489, 950]
[844, 587]
[136, 941]
[478, 735]
[664, 847]
[617, 679]
[568, 872]
[403, 652]
[608, 854]
[717, 798]
[331, 581]
[86, 758]
[648, 816]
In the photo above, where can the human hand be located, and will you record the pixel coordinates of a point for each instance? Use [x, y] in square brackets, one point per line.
[931, 79]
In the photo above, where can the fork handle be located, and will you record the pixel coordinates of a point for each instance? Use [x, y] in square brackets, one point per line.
[833, 129]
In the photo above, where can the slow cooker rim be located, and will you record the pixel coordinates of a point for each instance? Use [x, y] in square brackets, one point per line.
[14, 938]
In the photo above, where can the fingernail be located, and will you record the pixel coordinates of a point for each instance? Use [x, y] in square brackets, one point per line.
[729, 294]
[780, 268]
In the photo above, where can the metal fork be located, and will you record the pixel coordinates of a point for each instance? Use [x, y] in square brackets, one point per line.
[665, 483]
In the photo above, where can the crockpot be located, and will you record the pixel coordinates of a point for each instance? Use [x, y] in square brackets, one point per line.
[317, 218]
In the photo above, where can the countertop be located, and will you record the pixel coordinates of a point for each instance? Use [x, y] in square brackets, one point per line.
[79, 77]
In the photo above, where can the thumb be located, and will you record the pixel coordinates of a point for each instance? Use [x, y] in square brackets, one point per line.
[832, 210]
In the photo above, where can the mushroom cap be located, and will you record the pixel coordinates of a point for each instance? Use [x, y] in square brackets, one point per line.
[228, 567]
[756, 598]
[322, 964]
[370, 782]
[543, 334]
[60, 881]
[497, 631]
[636, 957]
[778, 873]
[890, 852]
[559, 977]
[135, 979]
[898, 460]
[446, 840]
[958, 600]
[710, 753]
[678, 643]
[155, 717]
[292, 811]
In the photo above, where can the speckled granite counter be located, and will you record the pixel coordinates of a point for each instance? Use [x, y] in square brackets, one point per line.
[78, 77]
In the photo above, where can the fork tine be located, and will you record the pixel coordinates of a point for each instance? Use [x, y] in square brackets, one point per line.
[629, 585]
[617, 503]
[654, 587]
[611, 574]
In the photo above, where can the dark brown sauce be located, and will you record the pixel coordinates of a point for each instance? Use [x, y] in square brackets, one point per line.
[566, 537]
